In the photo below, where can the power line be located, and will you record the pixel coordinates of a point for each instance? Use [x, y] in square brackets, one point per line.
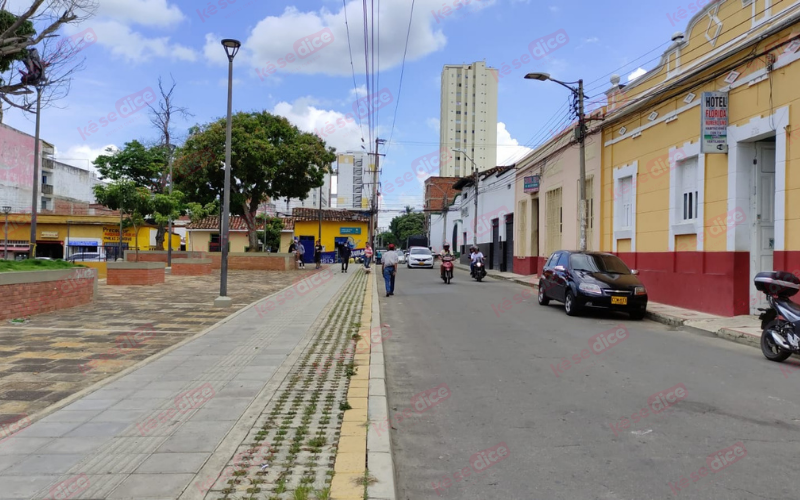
[352, 67]
[402, 72]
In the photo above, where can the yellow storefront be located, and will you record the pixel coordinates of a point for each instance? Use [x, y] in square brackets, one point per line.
[699, 221]
[337, 226]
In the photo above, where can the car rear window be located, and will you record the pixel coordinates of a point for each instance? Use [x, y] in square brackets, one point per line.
[420, 251]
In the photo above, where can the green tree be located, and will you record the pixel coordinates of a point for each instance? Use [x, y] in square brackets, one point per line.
[387, 238]
[408, 224]
[145, 167]
[270, 159]
[274, 228]
[134, 202]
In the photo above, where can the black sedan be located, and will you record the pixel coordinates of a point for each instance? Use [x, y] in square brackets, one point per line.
[591, 279]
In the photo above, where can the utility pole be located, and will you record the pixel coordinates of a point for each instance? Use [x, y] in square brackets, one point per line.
[475, 222]
[373, 219]
[319, 236]
[582, 142]
[37, 178]
[169, 228]
[446, 209]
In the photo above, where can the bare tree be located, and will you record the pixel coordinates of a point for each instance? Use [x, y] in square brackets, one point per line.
[161, 116]
[38, 25]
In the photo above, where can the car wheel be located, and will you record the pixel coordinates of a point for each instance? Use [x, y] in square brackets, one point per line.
[570, 305]
[543, 299]
[637, 315]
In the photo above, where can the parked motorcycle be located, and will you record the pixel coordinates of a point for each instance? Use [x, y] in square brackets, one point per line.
[780, 323]
[479, 271]
[447, 269]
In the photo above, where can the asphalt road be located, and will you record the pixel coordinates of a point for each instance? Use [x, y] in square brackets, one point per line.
[507, 385]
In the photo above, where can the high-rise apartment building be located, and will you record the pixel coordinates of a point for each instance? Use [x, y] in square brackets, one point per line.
[468, 118]
[353, 180]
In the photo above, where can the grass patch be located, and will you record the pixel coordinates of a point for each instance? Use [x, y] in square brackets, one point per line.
[7, 266]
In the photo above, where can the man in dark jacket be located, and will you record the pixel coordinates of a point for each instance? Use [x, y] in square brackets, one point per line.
[344, 254]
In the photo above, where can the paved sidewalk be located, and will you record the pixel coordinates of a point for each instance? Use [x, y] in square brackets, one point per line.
[147, 433]
[744, 329]
[56, 354]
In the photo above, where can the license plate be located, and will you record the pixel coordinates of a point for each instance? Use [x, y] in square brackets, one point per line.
[622, 301]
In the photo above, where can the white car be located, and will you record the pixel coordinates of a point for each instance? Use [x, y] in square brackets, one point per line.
[420, 257]
[401, 257]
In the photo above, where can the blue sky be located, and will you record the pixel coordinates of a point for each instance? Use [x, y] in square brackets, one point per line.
[140, 40]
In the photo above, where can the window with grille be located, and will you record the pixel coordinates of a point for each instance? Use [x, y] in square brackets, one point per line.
[687, 190]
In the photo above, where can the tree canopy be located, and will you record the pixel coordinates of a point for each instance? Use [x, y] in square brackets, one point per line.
[408, 224]
[270, 159]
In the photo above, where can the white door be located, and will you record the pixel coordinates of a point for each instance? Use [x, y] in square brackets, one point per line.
[762, 207]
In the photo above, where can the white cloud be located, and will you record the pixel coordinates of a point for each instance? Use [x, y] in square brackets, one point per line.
[134, 47]
[340, 133]
[82, 155]
[274, 37]
[433, 124]
[636, 74]
[508, 148]
[145, 12]
[554, 9]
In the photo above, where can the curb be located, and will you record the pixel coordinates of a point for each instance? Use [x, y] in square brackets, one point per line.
[379, 447]
[665, 319]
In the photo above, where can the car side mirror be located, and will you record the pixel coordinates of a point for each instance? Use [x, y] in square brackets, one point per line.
[635, 272]
[560, 268]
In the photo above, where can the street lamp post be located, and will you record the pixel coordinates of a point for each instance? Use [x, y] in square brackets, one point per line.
[231, 49]
[6, 211]
[578, 92]
[475, 180]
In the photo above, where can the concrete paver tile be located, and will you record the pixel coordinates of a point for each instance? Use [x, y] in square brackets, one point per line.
[23, 486]
[98, 429]
[22, 445]
[42, 429]
[173, 463]
[43, 464]
[139, 486]
[70, 445]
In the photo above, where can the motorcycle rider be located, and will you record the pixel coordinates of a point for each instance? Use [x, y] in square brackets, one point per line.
[475, 256]
[445, 253]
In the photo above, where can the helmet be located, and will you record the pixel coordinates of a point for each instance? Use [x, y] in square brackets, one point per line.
[446, 247]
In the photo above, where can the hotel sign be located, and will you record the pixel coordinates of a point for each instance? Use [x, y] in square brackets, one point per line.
[350, 230]
[531, 184]
[714, 123]
[49, 234]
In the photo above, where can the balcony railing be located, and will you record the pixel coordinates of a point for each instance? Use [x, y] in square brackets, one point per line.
[47, 189]
[47, 163]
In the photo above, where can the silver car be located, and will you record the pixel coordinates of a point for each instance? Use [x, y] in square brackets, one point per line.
[420, 257]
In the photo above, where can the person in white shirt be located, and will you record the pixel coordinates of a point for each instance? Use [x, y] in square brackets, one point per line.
[475, 256]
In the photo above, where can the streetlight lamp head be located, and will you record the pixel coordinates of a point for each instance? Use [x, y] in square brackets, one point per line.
[231, 47]
[538, 76]
[6, 209]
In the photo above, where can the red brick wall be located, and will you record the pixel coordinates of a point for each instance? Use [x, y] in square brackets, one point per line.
[179, 269]
[158, 257]
[240, 263]
[135, 276]
[27, 299]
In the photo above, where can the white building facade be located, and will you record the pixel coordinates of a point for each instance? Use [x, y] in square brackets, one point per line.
[468, 118]
[494, 229]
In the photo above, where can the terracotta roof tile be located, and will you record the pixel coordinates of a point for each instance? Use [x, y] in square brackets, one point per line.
[329, 214]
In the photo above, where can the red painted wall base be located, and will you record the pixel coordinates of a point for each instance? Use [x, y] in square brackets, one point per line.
[529, 265]
[712, 282]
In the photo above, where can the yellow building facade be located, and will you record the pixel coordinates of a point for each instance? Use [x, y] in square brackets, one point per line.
[700, 222]
[61, 236]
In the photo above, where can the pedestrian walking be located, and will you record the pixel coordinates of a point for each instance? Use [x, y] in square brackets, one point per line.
[367, 257]
[389, 269]
[318, 254]
[301, 251]
[344, 254]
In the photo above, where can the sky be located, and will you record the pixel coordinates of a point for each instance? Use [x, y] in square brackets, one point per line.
[138, 41]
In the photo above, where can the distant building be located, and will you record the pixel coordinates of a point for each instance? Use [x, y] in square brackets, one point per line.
[63, 189]
[353, 180]
[468, 118]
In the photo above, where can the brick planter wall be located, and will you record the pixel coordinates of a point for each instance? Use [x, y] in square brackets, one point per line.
[161, 256]
[36, 292]
[245, 261]
[135, 273]
[191, 267]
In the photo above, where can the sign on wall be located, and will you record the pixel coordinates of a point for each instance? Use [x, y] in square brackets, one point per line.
[111, 234]
[714, 123]
[531, 184]
[350, 230]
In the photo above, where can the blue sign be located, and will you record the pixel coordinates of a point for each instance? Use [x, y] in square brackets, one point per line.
[83, 243]
[350, 230]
